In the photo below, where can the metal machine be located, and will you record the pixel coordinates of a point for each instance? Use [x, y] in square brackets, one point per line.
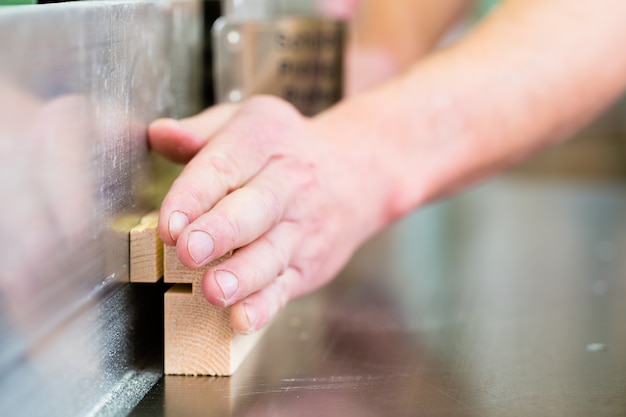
[79, 81]
[504, 301]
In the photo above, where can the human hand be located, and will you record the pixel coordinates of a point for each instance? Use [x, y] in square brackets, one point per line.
[286, 193]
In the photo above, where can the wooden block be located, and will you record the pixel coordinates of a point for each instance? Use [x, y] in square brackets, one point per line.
[199, 339]
[146, 250]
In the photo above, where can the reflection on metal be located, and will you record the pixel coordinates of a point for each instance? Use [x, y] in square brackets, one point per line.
[298, 59]
[78, 83]
[481, 306]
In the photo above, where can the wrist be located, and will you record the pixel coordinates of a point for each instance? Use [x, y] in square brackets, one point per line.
[417, 145]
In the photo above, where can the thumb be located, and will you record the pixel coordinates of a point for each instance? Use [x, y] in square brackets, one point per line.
[180, 140]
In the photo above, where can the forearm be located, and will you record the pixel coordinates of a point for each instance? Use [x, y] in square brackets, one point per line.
[296, 196]
[535, 71]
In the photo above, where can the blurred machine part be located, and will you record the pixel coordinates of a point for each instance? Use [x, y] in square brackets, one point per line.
[79, 82]
[278, 47]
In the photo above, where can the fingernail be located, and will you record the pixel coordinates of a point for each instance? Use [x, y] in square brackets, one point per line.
[228, 282]
[177, 222]
[200, 246]
[252, 316]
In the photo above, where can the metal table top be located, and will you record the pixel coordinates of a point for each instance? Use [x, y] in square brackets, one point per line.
[507, 300]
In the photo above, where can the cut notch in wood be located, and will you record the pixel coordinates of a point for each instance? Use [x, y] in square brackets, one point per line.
[199, 339]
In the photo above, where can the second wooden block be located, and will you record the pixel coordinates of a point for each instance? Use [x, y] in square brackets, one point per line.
[199, 339]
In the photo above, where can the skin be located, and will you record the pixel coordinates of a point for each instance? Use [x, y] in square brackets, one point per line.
[297, 196]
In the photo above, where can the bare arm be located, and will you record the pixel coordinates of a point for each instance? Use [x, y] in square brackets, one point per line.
[534, 72]
[297, 196]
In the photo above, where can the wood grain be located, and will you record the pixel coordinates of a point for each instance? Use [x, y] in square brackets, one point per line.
[199, 339]
[146, 250]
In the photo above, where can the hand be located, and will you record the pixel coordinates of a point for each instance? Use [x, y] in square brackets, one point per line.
[291, 200]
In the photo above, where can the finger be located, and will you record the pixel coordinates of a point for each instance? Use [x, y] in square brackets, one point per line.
[257, 310]
[235, 155]
[238, 219]
[180, 140]
[253, 267]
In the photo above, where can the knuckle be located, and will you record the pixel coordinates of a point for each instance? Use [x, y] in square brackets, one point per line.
[226, 169]
[227, 229]
[281, 294]
[192, 181]
[195, 194]
[307, 177]
[281, 254]
[270, 201]
[269, 120]
[300, 172]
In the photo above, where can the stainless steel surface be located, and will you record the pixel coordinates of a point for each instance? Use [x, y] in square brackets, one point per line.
[299, 59]
[78, 83]
[505, 301]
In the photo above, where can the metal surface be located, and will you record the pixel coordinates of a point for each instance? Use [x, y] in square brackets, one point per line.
[78, 83]
[505, 301]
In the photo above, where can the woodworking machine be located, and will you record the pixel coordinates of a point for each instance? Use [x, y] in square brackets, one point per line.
[507, 300]
[79, 81]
